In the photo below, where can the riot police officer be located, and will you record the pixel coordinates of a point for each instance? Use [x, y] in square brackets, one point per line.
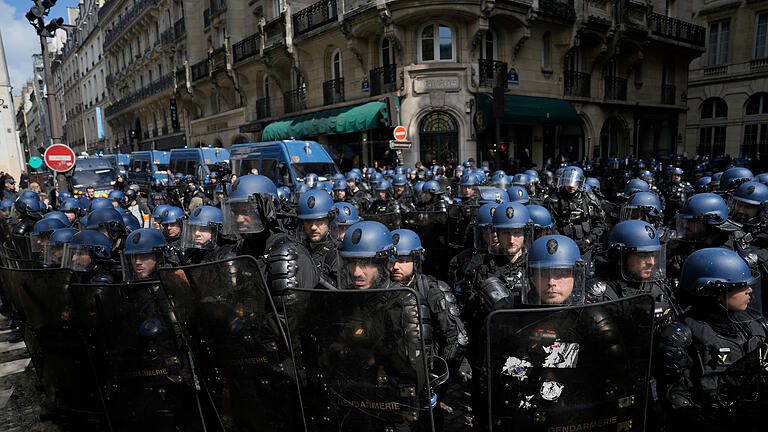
[71, 208]
[542, 221]
[481, 234]
[316, 230]
[676, 192]
[29, 209]
[145, 252]
[171, 222]
[346, 216]
[712, 379]
[5, 210]
[556, 272]
[401, 191]
[53, 251]
[109, 222]
[646, 206]
[42, 232]
[382, 200]
[89, 254]
[157, 195]
[117, 197]
[358, 197]
[201, 237]
[432, 198]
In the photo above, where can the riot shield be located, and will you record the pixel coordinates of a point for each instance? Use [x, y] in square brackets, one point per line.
[53, 336]
[241, 351]
[393, 221]
[23, 245]
[431, 228]
[460, 217]
[362, 359]
[146, 376]
[577, 368]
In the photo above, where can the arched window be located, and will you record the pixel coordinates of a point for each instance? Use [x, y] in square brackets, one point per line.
[755, 142]
[757, 104]
[714, 108]
[265, 86]
[336, 69]
[436, 43]
[387, 52]
[438, 138]
[488, 50]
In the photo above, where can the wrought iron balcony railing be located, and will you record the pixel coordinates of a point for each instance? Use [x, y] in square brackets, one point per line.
[383, 79]
[333, 91]
[577, 83]
[314, 16]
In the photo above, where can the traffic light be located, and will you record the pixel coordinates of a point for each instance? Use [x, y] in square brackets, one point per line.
[34, 13]
[54, 25]
[47, 4]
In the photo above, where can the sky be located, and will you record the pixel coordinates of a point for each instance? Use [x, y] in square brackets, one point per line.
[19, 37]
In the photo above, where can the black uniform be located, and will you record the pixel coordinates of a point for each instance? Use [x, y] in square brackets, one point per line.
[578, 216]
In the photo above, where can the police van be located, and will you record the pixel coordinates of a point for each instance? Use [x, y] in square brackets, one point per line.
[146, 166]
[119, 162]
[285, 162]
[199, 162]
[92, 172]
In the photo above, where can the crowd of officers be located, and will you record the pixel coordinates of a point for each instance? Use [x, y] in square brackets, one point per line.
[468, 245]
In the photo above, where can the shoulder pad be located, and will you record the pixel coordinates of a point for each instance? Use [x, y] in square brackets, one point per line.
[592, 196]
[677, 334]
[596, 288]
[442, 286]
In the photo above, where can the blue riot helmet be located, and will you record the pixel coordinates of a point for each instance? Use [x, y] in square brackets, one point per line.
[100, 203]
[703, 184]
[6, 206]
[522, 180]
[42, 232]
[634, 186]
[340, 190]
[748, 203]
[699, 212]
[145, 252]
[85, 249]
[62, 196]
[399, 169]
[338, 176]
[491, 195]
[316, 214]
[430, 189]
[572, 177]
[647, 177]
[346, 216]
[383, 190]
[556, 272]
[409, 254]
[762, 178]
[417, 189]
[117, 197]
[54, 249]
[734, 177]
[483, 231]
[513, 229]
[636, 245]
[518, 194]
[171, 222]
[542, 221]
[131, 222]
[250, 206]
[29, 206]
[299, 190]
[593, 183]
[365, 255]
[109, 222]
[202, 228]
[399, 180]
[644, 206]
[157, 215]
[466, 185]
[320, 186]
[533, 174]
[375, 178]
[354, 177]
[357, 170]
[58, 215]
[501, 182]
[715, 185]
[284, 194]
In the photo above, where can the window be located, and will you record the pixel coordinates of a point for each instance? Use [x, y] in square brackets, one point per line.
[756, 105]
[546, 51]
[761, 35]
[714, 108]
[436, 43]
[711, 140]
[387, 52]
[278, 6]
[488, 51]
[180, 9]
[717, 46]
[269, 168]
[755, 140]
[168, 19]
[149, 75]
[336, 70]
[266, 87]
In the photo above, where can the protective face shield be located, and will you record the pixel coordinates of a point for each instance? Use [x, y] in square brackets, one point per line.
[510, 241]
[556, 286]
[743, 212]
[53, 254]
[242, 217]
[571, 177]
[691, 228]
[485, 238]
[172, 230]
[142, 266]
[315, 231]
[644, 265]
[404, 268]
[80, 258]
[196, 236]
[360, 273]
[39, 241]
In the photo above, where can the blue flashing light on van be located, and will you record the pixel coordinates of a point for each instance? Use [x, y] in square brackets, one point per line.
[285, 162]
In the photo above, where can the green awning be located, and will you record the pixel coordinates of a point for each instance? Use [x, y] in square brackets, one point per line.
[328, 122]
[528, 110]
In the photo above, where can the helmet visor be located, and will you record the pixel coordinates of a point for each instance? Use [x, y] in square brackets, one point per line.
[511, 241]
[195, 236]
[53, 254]
[38, 242]
[143, 266]
[742, 211]
[644, 213]
[556, 286]
[571, 178]
[363, 273]
[241, 217]
[78, 257]
[691, 229]
[643, 266]
[316, 231]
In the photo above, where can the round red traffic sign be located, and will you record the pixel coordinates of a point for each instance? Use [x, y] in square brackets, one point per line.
[400, 133]
[59, 158]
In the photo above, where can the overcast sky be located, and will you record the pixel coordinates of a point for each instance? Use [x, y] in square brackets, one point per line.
[19, 37]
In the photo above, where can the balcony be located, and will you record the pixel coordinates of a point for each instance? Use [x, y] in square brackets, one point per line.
[333, 91]
[668, 94]
[200, 70]
[219, 59]
[577, 84]
[383, 79]
[315, 16]
[217, 7]
[757, 65]
[109, 80]
[126, 20]
[295, 100]
[676, 29]
[274, 33]
[715, 70]
[179, 28]
[162, 84]
[247, 47]
[262, 108]
[615, 88]
[493, 73]
[167, 36]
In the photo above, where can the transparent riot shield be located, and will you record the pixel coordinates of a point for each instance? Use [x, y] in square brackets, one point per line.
[54, 337]
[392, 221]
[241, 352]
[574, 368]
[460, 217]
[431, 228]
[362, 359]
[23, 245]
[146, 375]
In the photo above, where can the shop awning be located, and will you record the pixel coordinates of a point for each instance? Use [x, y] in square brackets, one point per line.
[328, 122]
[528, 110]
